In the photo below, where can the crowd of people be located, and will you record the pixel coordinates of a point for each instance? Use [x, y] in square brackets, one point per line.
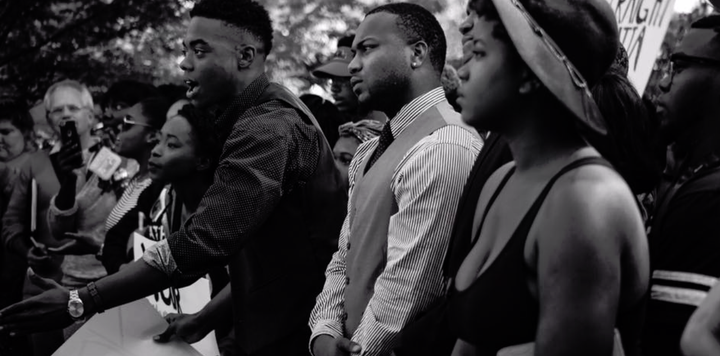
[531, 202]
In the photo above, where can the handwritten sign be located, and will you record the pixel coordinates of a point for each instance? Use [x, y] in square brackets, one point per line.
[188, 300]
[642, 25]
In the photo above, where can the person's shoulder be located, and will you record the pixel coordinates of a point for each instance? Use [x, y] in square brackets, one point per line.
[273, 116]
[593, 196]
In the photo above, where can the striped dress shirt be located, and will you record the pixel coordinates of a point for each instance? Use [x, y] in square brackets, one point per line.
[426, 184]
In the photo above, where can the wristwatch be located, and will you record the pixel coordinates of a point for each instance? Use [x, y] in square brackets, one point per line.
[76, 309]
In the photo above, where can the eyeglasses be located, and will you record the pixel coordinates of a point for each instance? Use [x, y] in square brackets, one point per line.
[59, 111]
[675, 59]
[128, 122]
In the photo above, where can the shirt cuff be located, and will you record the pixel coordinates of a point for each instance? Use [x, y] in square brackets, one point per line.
[62, 213]
[159, 257]
[325, 327]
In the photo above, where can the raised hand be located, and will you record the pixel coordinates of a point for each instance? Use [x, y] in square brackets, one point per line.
[45, 312]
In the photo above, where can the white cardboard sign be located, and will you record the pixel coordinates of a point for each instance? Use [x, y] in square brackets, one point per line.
[642, 25]
[188, 300]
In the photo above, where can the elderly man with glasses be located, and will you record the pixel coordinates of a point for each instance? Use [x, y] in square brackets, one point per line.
[684, 244]
[35, 186]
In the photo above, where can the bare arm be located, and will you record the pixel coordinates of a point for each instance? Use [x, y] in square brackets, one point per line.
[578, 266]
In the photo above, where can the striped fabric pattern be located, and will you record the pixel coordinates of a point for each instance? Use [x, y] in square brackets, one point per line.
[427, 185]
[127, 202]
[680, 287]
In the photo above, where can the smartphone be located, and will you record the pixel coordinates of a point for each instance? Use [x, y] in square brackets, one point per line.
[68, 134]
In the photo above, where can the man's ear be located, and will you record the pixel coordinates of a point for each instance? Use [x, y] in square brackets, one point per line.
[530, 83]
[245, 55]
[420, 54]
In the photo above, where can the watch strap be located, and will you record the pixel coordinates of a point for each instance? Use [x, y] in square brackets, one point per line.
[92, 289]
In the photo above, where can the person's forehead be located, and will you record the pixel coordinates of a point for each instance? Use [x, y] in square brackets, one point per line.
[65, 96]
[178, 126]
[381, 26]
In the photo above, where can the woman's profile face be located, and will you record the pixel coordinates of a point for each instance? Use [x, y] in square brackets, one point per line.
[174, 158]
[344, 151]
[12, 141]
[490, 76]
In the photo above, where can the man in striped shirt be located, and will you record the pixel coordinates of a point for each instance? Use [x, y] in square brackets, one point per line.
[404, 188]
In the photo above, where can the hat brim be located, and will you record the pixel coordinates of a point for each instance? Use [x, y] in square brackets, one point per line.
[549, 64]
[334, 68]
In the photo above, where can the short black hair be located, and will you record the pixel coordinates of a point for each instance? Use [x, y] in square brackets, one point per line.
[204, 133]
[129, 92]
[18, 114]
[419, 24]
[346, 41]
[487, 10]
[246, 15]
[155, 109]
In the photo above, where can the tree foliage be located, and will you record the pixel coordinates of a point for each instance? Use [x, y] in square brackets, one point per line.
[94, 41]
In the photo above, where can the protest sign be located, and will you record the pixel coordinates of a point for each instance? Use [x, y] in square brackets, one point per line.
[127, 330]
[642, 25]
[188, 300]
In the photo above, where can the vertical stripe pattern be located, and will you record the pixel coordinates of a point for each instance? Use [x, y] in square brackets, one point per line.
[427, 185]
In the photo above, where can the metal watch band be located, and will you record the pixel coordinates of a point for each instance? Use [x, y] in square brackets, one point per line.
[96, 297]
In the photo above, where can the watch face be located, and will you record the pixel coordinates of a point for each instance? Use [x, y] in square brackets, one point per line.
[76, 308]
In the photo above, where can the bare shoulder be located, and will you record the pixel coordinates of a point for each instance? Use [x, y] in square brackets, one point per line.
[592, 202]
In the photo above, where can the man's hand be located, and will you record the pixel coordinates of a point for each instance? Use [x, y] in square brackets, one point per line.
[45, 312]
[79, 244]
[326, 345]
[187, 327]
[38, 257]
[69, 159]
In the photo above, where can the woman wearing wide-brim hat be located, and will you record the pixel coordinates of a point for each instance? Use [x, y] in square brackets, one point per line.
[559, 259]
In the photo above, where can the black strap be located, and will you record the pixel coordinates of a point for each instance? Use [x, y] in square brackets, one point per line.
[492, 200]
[535, 208]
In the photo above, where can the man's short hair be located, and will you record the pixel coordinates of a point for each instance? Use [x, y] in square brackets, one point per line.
[85, 96]
[419, 24]
[346, 41]
[246, 15]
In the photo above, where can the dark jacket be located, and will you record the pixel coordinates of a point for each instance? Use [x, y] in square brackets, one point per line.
[273, 214]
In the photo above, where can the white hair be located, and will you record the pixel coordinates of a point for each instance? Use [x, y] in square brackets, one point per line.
[85, 97]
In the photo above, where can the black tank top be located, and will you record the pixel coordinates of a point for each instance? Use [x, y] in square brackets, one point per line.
[497, 309]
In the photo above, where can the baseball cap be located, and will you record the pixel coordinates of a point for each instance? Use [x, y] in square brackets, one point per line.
[337, 66]
[702, 40]
[568, 45]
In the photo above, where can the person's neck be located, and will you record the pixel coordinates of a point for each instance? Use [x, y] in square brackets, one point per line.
[190, 191]
[242, 82]
[414, 91]
[86, 141]
[696, 146]
[142, 161]
[536, 143]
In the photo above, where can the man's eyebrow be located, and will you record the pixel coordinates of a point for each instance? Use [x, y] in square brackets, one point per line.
[198, 42]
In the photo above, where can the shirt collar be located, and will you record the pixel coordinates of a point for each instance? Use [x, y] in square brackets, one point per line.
[415, 108]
